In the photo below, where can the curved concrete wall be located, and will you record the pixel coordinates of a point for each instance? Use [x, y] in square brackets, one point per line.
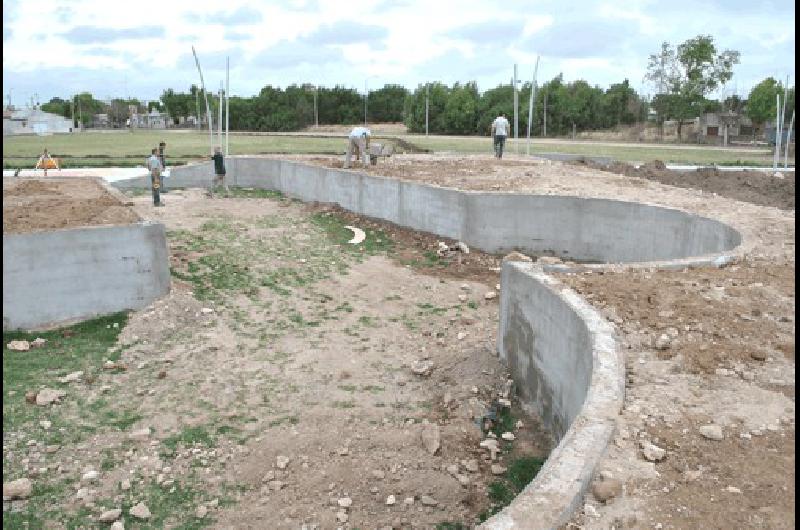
[62, 275]
[572, 228]
[561, 352]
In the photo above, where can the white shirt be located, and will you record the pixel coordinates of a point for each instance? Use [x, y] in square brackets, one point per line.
[358, 132]
[501, 126]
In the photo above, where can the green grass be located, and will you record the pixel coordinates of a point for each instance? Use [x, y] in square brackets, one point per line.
[519, 473]
[190, 437]
[375, 242]
[237, 192]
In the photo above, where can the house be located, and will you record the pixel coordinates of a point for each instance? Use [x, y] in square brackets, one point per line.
[713, 124]
[34, 121]
[150, 120]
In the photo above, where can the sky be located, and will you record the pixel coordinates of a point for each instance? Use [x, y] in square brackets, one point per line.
[60, 48]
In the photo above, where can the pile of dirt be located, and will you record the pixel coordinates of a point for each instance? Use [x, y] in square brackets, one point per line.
[31, 205]
[755, 187]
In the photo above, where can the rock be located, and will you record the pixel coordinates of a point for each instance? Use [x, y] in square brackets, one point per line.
[462, 247]
[663, 342]
[452, 469]
[492, 446]
[19, 345]
[508, 436]
[497, 469]
[733, 489]
[118, 525]
[428, 501]
[378, 474]
[422, 368]
[516, 256]
[462, 298]
[607, 489]
[110, 516]
[465, 287]
[341, 516]
[38, 342]
[46, 396]
[590, 511]
[462, 479]
[18, 489]
[431, 437]
[201, 512]
[281, 462]
[408, 501]
[276, 485]
[125, 485]
[140, 511]
[71, 378]
[140, 435]
[206, 310]
[548, 260]
[391, 500]
[652, 453]
[491, 295]
[45, 424]
[30, 397]
[345, 502]
[472, 466]
[758, 355]
[712, 432]
[90, 476]
[82, 494]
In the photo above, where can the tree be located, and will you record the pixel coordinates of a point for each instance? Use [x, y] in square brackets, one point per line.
[683, 76]
[58, 106]
[762, 99]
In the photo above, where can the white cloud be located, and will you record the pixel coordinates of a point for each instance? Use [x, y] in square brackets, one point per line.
[96, 48]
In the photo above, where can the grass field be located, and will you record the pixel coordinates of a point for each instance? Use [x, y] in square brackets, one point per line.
[131, 148]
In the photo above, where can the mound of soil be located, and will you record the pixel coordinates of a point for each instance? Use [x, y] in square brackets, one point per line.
[755, 187]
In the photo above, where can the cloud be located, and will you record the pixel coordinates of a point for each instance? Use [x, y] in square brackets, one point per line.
[242, 16]
[490, 32]
[236, 36]
[97, 34]
[584, 38]
[287, 54]
[347, 32]
[8, 17]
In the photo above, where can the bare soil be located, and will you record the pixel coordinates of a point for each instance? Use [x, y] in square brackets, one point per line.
[756, 187]
[31, 205]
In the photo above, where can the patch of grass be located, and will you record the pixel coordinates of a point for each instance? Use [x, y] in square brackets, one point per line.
[343, 404]
[472, 304]
[237, 192]
[189, 436]
[348, 388]
[171, 507]
[291, 420]
[450, 526]
[376, 241]
[430, 309]
[368, 321]
[520, 472]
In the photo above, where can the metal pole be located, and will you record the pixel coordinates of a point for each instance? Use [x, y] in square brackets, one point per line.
[219, 120]
[530, 106]
[227, 105]
[777, 123]
[788, 141]
[544, 116]
[205, 96]
[783, 115]
[316, 114]
[365, 102]
[516, 118]
[427, 106]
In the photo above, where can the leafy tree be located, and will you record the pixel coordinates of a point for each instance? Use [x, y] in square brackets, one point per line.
[461, 109]
[684, 75]
[58, 106]
[762, 99]
[386, 104]
[414, 109]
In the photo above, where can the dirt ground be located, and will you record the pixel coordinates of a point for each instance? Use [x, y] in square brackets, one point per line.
[755, 187]
[31, 205]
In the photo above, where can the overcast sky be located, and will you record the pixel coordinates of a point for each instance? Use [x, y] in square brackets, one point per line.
[58, 48]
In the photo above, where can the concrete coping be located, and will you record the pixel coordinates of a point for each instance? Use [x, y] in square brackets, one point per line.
[558, 489]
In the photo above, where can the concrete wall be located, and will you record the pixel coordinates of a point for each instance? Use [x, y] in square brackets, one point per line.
[58, 276]
[566, 366]
[573, 228]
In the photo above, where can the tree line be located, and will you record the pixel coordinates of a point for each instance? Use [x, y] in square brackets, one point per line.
[682, 76]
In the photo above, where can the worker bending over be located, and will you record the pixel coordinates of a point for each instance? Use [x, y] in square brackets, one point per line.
[358, 140]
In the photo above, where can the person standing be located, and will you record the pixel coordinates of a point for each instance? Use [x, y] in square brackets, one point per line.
[500, 127]
[154, 166]
[219, 169]
[46, 162]
[358, 141]
[161, 148]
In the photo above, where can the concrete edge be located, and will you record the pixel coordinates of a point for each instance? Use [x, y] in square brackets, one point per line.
[557, 491]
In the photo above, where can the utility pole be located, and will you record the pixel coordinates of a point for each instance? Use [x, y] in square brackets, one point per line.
[219, 120]
[205, 96]
[516, 118]
[316, 113]
[544, 116]
[227, 105]
[197, 109]
[366, 95]
[427, 105]
[788, 141]
[777, 137]
[531, 103]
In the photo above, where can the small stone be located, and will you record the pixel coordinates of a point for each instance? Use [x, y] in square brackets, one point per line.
[408, 501]
[140, 435]
[45, 424]
[46, 396]
[712, 432]
[140, 511]
[201, 512]
[663, 342]
[38, 342]
[508, 436]
[606, 489]
[462, 479]
[341, 516]
[30, 397]
[281, 462]
[516, 256]
[733, 489]
[422, 368]
[462, 298]
[491, 295]
[90, 476]
[206, 310]
[71, 378]
[345, 502]
[110, 516]
[18, 489]
[378, 474]
[758, 355]
[463, 247]
[125, 485]
[391, 500]
[461, 335]
[465, 287]
[118, 525]
[428, 500]
[19, 345]
[652, 453]
[497, 469]
[472, 466]
[590, 511]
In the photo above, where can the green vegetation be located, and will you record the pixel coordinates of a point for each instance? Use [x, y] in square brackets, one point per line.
[520, 472]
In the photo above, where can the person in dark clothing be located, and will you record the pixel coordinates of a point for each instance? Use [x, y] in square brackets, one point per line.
[154, 165]
[219, 169]
[161, 148]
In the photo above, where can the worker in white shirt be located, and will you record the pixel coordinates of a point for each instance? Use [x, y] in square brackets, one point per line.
[358, 141]
[500, 127]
